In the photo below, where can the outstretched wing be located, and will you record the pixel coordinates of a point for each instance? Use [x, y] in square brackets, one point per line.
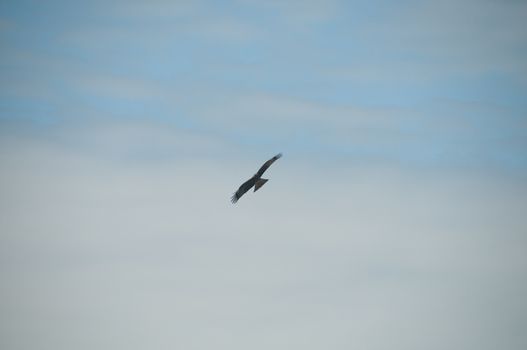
[268, 164]
[246, 186]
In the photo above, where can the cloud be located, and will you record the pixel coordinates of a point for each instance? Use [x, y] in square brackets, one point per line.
[125, 253]
[441, 133]
[439, 40]
[225, 29]
[300, 13]
[115, 87]
[157, 9]
[5, 25]
[126, 141]
[162, 25]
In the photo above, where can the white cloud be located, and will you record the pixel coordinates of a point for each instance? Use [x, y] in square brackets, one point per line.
[134, 254]
[300, 13]
[434, 40]
[444, 132]
[156, 9]
[155, 25]
[119, 87]
[225, 28]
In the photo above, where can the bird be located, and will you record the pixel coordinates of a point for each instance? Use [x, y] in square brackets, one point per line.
[255, 181]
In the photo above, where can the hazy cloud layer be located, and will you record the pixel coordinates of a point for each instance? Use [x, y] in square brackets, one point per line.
[118, 252]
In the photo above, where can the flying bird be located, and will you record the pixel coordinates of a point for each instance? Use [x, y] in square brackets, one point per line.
[255, 181]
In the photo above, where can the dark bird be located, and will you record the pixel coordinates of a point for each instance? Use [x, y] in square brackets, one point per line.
[255, 181]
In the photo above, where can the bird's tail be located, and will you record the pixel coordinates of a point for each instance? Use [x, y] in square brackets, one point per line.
[234, 198]
[259, 183]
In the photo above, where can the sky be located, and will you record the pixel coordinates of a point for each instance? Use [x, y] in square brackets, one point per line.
[395, 219]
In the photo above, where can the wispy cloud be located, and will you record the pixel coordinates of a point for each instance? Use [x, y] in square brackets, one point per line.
[299, 13]
[115, 87]
[446, 39]
[157, 9]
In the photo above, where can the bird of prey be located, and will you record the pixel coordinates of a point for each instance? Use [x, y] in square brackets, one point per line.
[255, 181]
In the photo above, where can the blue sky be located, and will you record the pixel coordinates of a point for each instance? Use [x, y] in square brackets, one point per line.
[449, 77]
[395, 220]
